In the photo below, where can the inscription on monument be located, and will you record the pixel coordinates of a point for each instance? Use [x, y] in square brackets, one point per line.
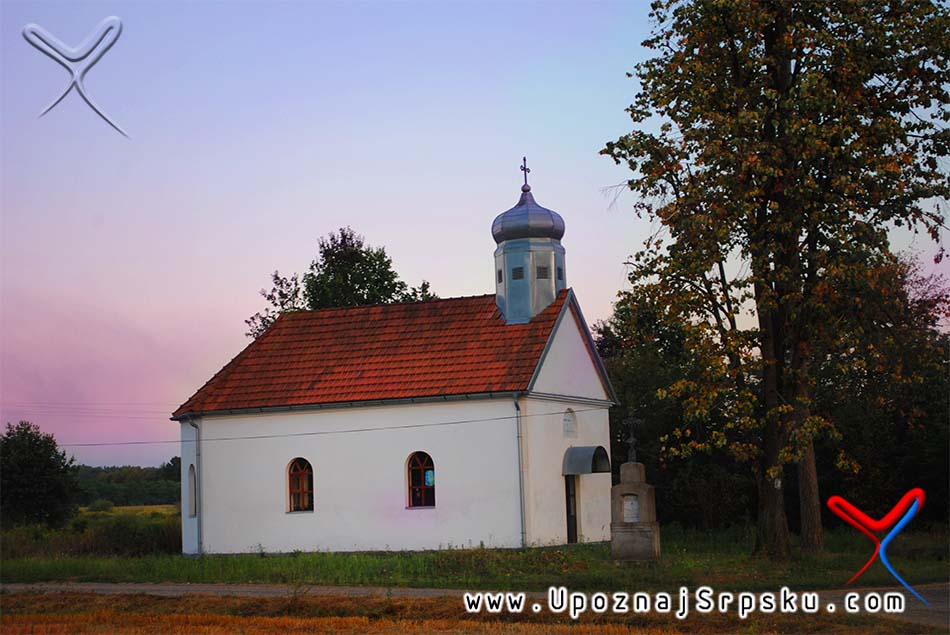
[631, 508]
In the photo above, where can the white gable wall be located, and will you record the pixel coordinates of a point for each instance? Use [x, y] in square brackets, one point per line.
[568, 372]
[567, 368]
[546, 444]
[360, 479]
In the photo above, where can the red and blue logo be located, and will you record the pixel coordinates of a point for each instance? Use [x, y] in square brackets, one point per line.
[898, 517]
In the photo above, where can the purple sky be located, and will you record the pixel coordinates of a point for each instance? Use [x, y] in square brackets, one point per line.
[128, 265]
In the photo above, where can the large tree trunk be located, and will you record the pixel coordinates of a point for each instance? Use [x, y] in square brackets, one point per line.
[809, 501]
[771, 536]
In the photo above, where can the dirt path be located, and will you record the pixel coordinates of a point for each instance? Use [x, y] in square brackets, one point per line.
[174, 589]
[937, 614]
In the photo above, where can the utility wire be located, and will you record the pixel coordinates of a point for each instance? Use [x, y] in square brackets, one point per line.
[323, 432]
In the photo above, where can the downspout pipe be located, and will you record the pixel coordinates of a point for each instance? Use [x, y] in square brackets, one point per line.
[521, 492]
[199, 483]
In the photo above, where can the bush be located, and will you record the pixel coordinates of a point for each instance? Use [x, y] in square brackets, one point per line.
[37, 482]
[98, 535]
[101, 505]
[128, 535]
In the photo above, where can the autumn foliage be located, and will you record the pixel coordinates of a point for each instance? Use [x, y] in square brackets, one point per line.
[776, 144]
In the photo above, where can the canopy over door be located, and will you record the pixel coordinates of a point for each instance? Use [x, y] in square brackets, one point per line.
[586, 459]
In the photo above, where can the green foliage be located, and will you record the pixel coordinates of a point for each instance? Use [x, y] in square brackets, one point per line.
[644, 354]
[97, 534]
[130, 484]
[346, 272]
[792, 136]
[101, 505]
[171, 469]
[886, 388]
[37, 482]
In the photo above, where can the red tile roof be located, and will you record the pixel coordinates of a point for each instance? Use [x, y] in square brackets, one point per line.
[455, 346]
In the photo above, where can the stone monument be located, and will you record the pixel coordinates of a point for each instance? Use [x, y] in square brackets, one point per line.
[634, 532]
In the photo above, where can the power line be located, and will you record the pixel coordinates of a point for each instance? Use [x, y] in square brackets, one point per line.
[324, 432]
[85, 403]
[101, 415]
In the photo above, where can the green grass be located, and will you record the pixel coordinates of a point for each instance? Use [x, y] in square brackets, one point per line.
[720, 559]
[152, 511]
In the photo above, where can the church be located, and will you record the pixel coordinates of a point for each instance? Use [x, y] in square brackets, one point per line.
[451, 423]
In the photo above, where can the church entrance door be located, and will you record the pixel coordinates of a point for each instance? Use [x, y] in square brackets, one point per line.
[570, 493]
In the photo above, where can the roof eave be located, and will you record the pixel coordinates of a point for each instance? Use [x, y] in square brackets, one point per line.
[348, 404]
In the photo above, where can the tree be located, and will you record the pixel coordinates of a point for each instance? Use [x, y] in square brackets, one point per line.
[645, 352]
[131, 484]
[37, 482]
[171, 470]
[792, 136]
[886, 388]
[346, 272]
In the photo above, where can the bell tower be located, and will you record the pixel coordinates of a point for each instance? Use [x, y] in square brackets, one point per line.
[529, 260]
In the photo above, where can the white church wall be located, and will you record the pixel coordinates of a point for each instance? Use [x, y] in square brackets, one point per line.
[593, 492]
[189, 523]
[567, 367]
[546, 445]
[567, 371]
[360, 479]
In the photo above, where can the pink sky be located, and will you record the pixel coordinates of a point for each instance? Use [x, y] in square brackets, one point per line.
[127, 266]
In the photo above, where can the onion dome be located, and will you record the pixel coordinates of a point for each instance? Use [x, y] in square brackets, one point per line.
[527, 219]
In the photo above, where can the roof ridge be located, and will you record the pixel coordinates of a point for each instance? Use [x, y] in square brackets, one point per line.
[378, 304]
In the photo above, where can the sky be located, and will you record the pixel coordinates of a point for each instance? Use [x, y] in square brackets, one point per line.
[128, 265]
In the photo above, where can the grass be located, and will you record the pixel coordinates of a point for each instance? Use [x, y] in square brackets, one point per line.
[122, 531]
[138, 510]
[145, 614]
[690, 558]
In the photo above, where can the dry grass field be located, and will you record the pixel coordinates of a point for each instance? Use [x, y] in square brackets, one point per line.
[71, 613]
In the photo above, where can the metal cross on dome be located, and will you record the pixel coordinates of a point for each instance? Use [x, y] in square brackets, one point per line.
[525, 168]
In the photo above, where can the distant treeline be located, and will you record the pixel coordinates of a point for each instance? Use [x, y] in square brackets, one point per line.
[131, 485]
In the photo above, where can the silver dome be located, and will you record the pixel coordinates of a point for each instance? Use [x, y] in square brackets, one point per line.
[527, 219]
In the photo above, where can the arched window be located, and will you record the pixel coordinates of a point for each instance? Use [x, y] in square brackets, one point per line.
[301, 485]
[421, 480]
[192, 492]
[570, 424]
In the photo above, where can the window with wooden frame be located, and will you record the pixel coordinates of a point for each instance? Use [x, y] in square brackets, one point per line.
[300, 475]
[421, 480]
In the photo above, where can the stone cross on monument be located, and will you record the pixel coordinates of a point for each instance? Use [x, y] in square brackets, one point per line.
[634, 531]
[631, 424]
